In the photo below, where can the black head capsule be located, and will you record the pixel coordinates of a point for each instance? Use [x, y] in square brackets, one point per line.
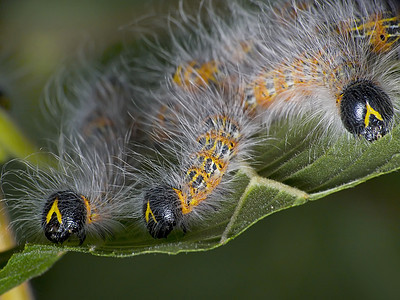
[161, 211]
[366, 110]
[64, 214]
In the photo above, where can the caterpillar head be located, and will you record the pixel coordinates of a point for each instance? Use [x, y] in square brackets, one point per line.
[161, 211]
[64, 214]
[366, 110]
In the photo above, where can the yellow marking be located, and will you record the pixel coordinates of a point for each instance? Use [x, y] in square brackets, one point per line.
[193, 74]
[207, 71]
[217, 137]
[188, 207]
[190, 196]
[198, 172]
[373, 24]
[54, 209]
[194, 196]
[148, 213]
[177, 75]
[184, 207]
[371, 111]
[89, 215]
[339, 98]
[264, 96]
[219, 163]
[199, 196]
[375, 29]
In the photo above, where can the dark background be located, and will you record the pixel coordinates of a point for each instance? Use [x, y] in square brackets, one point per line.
[347, 244]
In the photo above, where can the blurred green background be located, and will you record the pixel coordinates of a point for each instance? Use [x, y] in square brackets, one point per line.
[346, 245]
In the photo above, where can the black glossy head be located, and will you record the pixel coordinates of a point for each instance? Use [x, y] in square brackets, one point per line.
[161, 211]
[64, 214]
[366, 110]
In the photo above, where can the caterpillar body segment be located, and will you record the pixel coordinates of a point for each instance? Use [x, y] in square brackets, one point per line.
[374, 22]
[364, 107]
[218, 146]
[382, 31]
[93, 103]
[197, 74]
[200, 74]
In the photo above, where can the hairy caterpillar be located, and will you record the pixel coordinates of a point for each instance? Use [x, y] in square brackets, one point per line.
[210, 139]
[202, 134]
[85, 192]
[344, 74]
[336, 60]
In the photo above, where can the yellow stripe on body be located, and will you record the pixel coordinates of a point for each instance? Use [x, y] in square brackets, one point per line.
[373, 112]
[148, 213]
[54, 210]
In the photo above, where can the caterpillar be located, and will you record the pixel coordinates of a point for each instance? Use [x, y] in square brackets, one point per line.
[85, 192]
[201, 133]
[210, 138]
[336, 60]
[346, 76]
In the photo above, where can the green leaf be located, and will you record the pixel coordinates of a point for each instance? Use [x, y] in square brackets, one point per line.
[33, 261]
[323, 168]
